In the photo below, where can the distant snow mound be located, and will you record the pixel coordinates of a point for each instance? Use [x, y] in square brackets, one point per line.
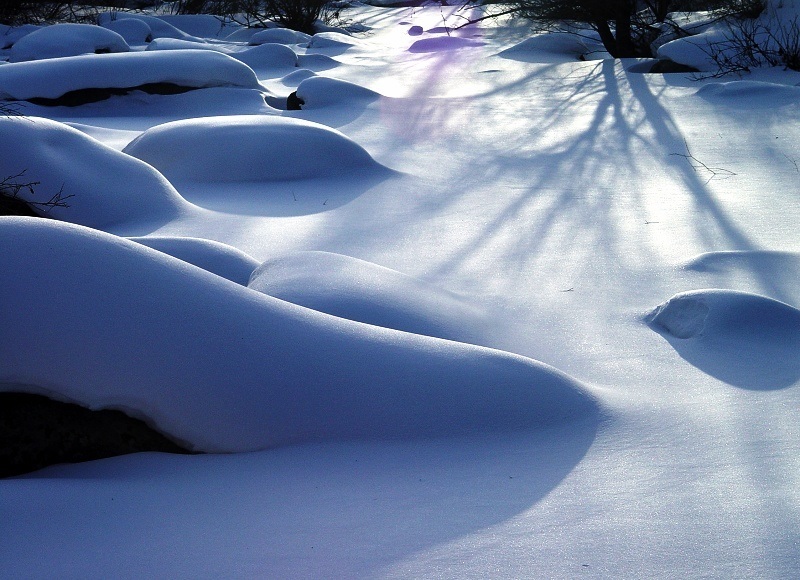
[218, 258]
[278, 36]
[744, 339]
[750, 93]
[267, 56]
[50, 79]
[158, 26]
[318, 92]
[295, 78]
[227, 369]
[59, 40]
[324, 40]
[357, 290]
[11, 34]
[108, 188]
[134, 31]
[244, 148]
[558, 46]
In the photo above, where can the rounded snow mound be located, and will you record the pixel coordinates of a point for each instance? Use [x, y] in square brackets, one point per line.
[216, 257]
[50, 79]
[552, 47]
[227, 369]
[98, 186]
[134, 31]
[293, 79]
[278, 36]
[318, 92]
[267, 56]
[11, 34]
[159, 28]
[248, 148]
[366, 292]
[743, 339]
[749, 93]
[707, 312]
[59, 40]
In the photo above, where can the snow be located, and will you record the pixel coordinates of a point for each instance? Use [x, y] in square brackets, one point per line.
[53, 78]
[470, 312]
[278, 36]
[66, 40]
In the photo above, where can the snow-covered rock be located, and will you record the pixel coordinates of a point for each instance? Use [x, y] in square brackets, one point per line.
[100, 187]
[225, 368]
[318, 92]
[190, 68]
[278, 36]
[67, 39]
[158, 26]
[248, 148]
[133, 30]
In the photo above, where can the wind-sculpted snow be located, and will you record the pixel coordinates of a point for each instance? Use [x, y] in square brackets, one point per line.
[218, 258]
[366, 292]
[61, 40]
[99, 186]
[225, 368]
[50, 79]
[739, 337]
[250, 148]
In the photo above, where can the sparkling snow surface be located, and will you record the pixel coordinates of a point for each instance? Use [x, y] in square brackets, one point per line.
[546, 317]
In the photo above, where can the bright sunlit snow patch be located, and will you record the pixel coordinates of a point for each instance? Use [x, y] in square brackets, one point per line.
[248, 148]
[61, 40]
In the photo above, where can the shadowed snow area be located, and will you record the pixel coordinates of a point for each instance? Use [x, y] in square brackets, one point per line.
[366, 292]
[61, 40]
[318, 92]
[254, 372]
[749, 93]
[743, 339]
[53, 78]
[100, 187]
[159, 27]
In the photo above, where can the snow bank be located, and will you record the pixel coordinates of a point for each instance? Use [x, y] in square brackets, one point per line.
[278, 36]
[741, 338]
[319, 92]
[351, 288]
[248, 148]
[258, 57]
[110, 323]
[218, 258]
[67, 39]
[189, 68]
[108, 188]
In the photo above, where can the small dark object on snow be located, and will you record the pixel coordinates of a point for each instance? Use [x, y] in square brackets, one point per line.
[294, 103]
[665, 66]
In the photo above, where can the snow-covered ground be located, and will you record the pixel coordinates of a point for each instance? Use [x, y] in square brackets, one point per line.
[478, 309]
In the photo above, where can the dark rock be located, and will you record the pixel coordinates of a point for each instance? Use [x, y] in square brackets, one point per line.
[294, 103]
[36, 432]
[85, 96]
[15, 206]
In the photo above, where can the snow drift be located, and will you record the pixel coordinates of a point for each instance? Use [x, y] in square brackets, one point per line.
[366, 292]
[101, 187]
[107, 322]
[248, 148]
[61, 40]
[739, 337]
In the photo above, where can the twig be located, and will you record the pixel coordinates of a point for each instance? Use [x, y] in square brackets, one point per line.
[697, 165]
